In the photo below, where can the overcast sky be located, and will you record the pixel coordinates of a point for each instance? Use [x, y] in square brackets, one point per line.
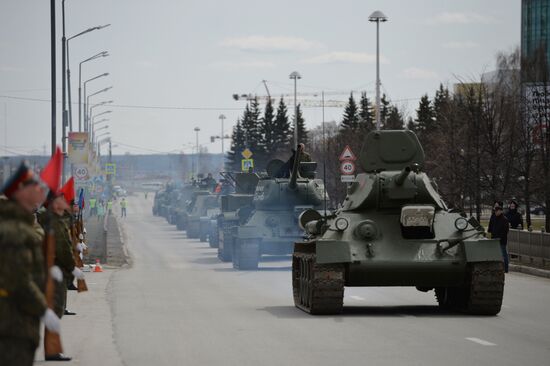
[196, 54]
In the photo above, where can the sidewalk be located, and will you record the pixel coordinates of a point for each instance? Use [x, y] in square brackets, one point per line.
[88, 336]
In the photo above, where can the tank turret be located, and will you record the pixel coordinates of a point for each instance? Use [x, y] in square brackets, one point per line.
[394, 229]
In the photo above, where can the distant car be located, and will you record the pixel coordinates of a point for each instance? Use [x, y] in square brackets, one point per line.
[538, 210]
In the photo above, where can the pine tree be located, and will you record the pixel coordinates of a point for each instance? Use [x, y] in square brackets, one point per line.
[282, 135]
[251, 127]
[351, 115]
[411, 125]
[395, 119]
[268, 129]
[384, 110]
[441, 104]
[366, 114]
[233, 159]
[425, 116]
[302, 130]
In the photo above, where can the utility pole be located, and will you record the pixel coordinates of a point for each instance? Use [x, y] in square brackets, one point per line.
[222, 137]
[295, 75]
[197, 146]
[63, 92]
[378, 17]
[52, 50]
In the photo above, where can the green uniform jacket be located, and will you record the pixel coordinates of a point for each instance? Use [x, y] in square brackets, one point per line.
[22, 274]
[63, 246]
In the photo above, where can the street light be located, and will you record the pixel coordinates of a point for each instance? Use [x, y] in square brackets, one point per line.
[100, 114]
[378, 17]
[222, 118]
[295, 75]
[197, 145]
[91, 110]
[81, 111]
[69, 70]
[100, 121]
[86, 106]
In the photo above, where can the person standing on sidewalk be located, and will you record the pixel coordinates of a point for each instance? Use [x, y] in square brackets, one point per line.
[499, 230]
[110, 206]
[123, 205]
[93, 207]
[100, 211]
[22, 273]
[514, 216]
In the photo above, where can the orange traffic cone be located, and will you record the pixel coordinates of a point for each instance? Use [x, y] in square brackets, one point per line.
[98, 266]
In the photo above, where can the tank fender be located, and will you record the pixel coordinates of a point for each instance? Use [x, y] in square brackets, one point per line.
[336, 251]
[482, 251]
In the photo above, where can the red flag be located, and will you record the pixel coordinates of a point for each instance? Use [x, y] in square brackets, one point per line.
[51, 174]
[68, 191]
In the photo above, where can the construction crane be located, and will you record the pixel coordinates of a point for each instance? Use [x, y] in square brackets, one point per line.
[304, 102]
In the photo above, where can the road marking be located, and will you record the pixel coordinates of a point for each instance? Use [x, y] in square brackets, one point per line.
[480, 341]
[357, 298]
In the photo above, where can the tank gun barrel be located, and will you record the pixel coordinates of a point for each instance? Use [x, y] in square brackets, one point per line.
[400, 178]
[294, 175]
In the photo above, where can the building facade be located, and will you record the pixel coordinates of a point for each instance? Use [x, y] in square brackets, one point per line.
[535, 39]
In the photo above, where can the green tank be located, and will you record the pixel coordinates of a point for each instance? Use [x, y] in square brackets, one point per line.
[393, 229]
[225, 223]
[180, 209]
[203, 201]
[158, 199]
[271, 228]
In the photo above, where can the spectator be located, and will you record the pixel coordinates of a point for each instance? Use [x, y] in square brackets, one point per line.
[110, 206]
[100, 211]
[514, 216]
[492, 219]
[123, 204]
[499, 230]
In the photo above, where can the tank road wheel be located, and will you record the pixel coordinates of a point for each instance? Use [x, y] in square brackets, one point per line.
[317, 288]
[482, 294]
[213, 236]
[225, 245]
[192, 231]
[246, 254]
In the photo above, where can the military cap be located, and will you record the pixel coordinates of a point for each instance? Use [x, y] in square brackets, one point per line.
[22, 177]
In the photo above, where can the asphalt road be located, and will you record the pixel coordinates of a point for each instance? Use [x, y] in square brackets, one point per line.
[178, 305]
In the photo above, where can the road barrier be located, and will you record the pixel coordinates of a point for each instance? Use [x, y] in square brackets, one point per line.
[529, 247]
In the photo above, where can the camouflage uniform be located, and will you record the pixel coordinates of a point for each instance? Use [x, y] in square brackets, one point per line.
[22, 281]
[63, 255]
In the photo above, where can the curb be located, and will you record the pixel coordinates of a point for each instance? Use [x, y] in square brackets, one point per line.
[530, 270]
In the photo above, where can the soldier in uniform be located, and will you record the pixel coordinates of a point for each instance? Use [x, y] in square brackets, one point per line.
[56, 219]
[22, 271]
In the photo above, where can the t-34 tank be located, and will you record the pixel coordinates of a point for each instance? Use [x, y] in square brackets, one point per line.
[233, 204]
[199, 208]
[180, 210]
[394, 229]
[272, 227]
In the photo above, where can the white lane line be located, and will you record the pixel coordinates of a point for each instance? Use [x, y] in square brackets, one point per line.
[480, 341]
[356, 298]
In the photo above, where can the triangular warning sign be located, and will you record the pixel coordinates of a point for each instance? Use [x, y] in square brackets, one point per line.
[347, 154]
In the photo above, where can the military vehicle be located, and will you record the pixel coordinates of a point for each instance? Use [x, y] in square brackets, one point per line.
[179, 208]
[394, 229]
[203, 200]
[272, 227]
[223, 227]
[159, 197]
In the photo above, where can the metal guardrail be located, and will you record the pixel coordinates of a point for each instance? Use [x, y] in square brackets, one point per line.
[529, 246]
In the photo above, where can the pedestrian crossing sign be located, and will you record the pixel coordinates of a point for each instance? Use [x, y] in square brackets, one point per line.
[247, 164]
[110, 169]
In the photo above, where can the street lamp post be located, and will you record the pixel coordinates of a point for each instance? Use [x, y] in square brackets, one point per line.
[197, 146]
[79, 76]
[89, 114]
[295, 75]
[378, 17]
[222, 118]
[53, 77]
[101, 54]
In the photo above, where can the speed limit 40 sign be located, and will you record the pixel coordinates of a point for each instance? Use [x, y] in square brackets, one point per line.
[347, 167]
[81, 172]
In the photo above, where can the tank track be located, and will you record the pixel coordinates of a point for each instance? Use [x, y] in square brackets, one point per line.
[246, 254]
[225, 243]
[482, 294]
[317, 288]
